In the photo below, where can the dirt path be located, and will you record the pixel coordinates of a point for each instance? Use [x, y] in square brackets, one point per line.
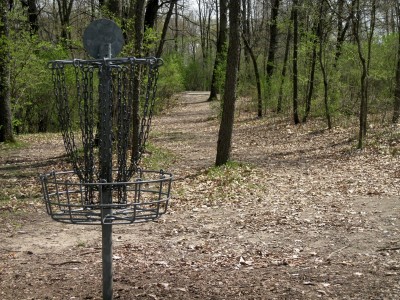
[190, 131]
[301, 216]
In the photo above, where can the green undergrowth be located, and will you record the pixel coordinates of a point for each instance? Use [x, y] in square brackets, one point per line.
[230, 172]
[9, 146]
[157, 158]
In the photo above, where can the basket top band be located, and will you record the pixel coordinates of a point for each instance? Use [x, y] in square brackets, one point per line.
[150, 61]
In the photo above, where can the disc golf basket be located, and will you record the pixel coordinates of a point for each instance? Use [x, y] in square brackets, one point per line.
[105, 121]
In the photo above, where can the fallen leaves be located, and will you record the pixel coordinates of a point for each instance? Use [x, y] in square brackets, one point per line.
[302, 216]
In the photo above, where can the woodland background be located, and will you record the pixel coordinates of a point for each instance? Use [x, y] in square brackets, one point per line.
[333, 59]
[298, 213]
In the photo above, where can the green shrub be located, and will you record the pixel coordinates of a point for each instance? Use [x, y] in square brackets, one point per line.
[170, 80]
[31, 84]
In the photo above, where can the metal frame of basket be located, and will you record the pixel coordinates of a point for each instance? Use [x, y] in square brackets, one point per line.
[105, 140]
[113, 127]
[69, 201]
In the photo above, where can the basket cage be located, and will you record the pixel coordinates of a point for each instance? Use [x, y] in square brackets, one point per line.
[70, 201]
[114, 98]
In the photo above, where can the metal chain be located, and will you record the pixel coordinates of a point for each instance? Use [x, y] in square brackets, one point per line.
[149, 105]
[122, 83]
[64, 114]
[87, 124]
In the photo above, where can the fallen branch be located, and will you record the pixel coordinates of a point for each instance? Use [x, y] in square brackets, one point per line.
[65, 263]
[336, 251]
[89, 252]
[388, 249]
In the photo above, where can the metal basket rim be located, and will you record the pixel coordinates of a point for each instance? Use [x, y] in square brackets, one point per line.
[151, 61]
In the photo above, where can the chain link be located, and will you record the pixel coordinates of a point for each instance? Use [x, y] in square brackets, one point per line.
[118, 116]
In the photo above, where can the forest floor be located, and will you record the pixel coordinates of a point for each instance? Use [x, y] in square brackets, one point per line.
[298, 214]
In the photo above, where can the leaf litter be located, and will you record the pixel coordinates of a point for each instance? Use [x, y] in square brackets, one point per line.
[298, 214]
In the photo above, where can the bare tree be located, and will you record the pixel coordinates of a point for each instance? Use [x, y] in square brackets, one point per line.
[342, 30]
[396, 103]
[172, 4]
[273, 43]
[64, 11]
[139, 21]
[205, 11]
[6, 132]
[257, 75]
[33, 14]
[315, 34]
[295, 62]
[322, 36]
[365, 63]
[284, 67]
[229, 99]
[221, 41]
[151, 13]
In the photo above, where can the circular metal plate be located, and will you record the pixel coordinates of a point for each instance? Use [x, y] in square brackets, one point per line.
[101, 36]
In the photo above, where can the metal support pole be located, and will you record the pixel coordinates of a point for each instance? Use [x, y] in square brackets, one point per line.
[105, 153]
[107, 261]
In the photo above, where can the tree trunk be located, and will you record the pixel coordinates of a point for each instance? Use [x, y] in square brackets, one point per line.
[202, 20]
[396, 103]
[220, 55]
[151, 13]
[284, 68]
[165, 27]
[310, 89]
[228, 108]
[176, 34]
[257, 75]
[295, 70]
[64, 11]
[6, 132]
[33, 14]
[114, 7]
[139, 18]
[365, 63]
[341, 31]
[273, 43]
[322, 39]
[245, 28]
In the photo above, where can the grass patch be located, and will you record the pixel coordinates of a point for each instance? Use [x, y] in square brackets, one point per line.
[157, 158]
[232, 171]
[18, 144]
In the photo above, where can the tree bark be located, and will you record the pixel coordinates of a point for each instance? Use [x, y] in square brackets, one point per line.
[33, 14]
[341, 31]
[6, 132]
[151, 13]
[245, 28]
[284, 69]
[322, 39]
[220, 55]
[114, 7]
[310, 89]
[273, 42]
[165, 27]
[139, 17]
[257, 75]
[228, 108]
[64, 11]
[365, 63]
[295, 63]
[396, 103]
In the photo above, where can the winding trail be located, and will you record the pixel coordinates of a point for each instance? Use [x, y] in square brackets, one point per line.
[304, 217]
[189, 131]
